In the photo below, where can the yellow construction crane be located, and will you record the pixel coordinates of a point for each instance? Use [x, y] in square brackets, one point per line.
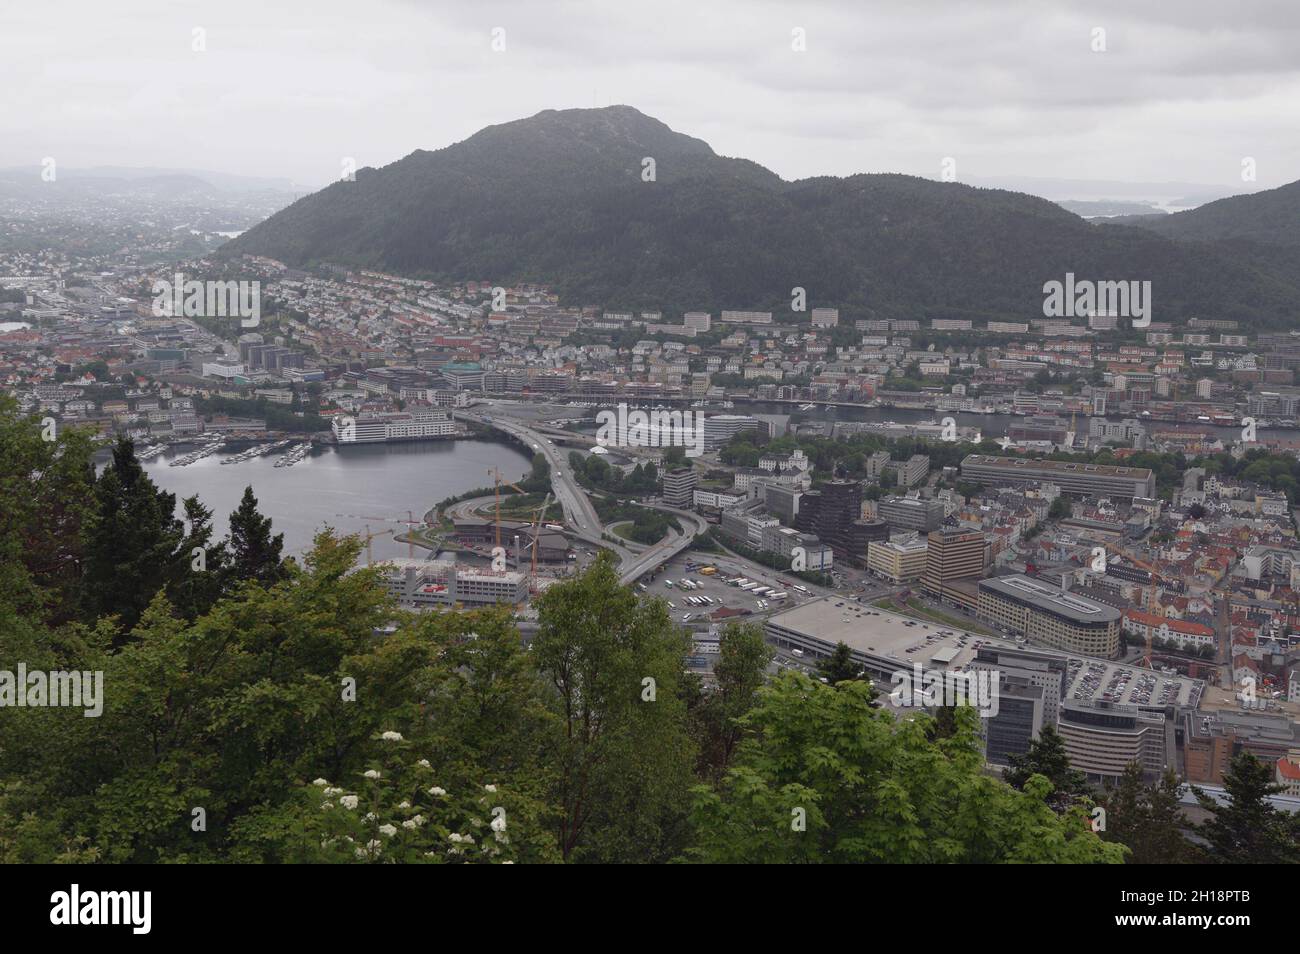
[370, 558]
[497, 476]
[537, 530]
[410, 523]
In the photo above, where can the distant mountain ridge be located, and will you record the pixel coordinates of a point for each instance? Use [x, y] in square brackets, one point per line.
[1271, 217]
[139, 178]
[560, 198]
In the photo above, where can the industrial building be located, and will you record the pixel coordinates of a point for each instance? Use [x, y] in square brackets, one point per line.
[516, 537]
[1073, 478]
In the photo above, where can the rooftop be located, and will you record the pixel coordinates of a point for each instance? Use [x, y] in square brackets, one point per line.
[894, 640]
[1051, 599]
[1058, 466]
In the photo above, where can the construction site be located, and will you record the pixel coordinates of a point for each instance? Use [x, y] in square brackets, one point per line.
[481, 558]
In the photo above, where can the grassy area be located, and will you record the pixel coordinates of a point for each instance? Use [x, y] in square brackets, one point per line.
[554, 512]
[522, 507]
[625, 530]
[915, 609]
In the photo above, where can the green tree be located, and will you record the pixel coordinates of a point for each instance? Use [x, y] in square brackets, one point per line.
[133, 541]
[839, 666]
[824, 776]
[1046, 757]
[46, 499]
[739, 673]
[624, 756]
[539, 476]
[203, 572]
[1246, 829]
[230, 713]
[255, 553]
[1147, 819]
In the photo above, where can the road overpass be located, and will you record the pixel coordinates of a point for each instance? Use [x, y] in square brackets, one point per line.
[637, 565]
[579, 513]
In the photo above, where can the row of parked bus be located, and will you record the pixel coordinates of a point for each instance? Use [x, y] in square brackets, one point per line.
[757, 589]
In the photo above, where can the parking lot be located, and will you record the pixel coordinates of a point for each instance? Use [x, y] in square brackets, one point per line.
[715, 589]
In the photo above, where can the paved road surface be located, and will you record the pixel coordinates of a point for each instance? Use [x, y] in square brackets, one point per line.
[579, 513]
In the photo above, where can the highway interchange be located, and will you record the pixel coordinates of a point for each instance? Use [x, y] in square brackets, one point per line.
[579, 513]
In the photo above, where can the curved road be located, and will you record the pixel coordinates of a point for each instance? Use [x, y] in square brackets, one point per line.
[578, 510]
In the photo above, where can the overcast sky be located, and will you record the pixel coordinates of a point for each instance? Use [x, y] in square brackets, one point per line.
[1184, 91]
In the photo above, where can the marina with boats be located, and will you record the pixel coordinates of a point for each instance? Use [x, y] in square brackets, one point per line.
[258, 451]
[293, 455]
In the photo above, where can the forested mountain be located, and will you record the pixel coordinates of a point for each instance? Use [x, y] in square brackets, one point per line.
[1271, 217]
[560, 198]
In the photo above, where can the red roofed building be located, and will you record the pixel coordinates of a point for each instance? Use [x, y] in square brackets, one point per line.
[1184, 634]
[1288, 772]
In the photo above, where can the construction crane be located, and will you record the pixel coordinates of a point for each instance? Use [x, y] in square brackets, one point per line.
[496, 473]
[410, 523]
[370, 558]
[537, 529]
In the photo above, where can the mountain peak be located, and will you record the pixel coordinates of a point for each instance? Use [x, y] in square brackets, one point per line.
[564, 198]
[623, 129]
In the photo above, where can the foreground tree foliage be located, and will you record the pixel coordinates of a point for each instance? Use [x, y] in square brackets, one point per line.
[1046, 757]
[839, 666]
[1246, 828]
[624, 756]
[1148, 819]
[739, 673]
[827, 777]
[262, 710]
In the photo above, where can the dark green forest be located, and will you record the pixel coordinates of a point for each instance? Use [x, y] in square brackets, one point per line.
[560, 198]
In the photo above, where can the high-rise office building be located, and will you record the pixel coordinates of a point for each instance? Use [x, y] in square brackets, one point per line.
[955, 553]
[679, 486]
[830, 512]
[911, 513]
